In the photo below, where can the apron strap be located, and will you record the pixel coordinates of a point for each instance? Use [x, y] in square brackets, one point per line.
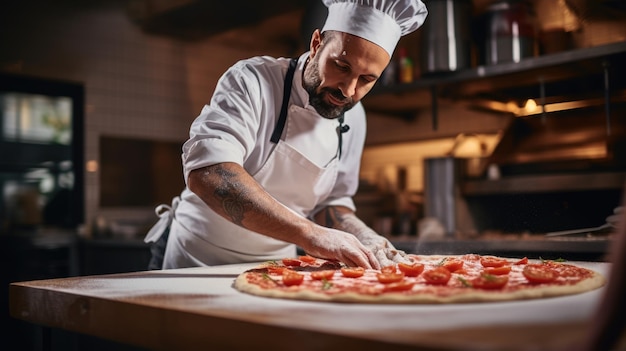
[341, 128]
[282, 118]
[165, 214]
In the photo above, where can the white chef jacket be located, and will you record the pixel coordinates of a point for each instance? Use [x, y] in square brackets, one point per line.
[236, 126]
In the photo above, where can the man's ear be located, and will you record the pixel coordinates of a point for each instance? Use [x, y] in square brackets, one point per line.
[316, 42]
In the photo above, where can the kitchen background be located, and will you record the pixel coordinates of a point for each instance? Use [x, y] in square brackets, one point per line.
[146, 67]
[466, 140]
[149, 84]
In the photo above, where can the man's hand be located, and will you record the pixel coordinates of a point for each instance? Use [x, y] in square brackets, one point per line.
[344, 219]
[334, 244]
[382, 248]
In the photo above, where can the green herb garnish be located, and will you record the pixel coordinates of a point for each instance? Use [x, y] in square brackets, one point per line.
[327, 285]
[464, 282]
[488, 277]
[267, 276]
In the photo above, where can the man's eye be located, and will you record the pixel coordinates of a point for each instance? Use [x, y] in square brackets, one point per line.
[343, 68]
[368, 80]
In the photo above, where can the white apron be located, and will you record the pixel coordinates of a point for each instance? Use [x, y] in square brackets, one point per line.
[300, 173]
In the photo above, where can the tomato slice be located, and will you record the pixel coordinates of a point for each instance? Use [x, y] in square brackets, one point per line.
[411, 270]
[489, 281]
[388, 269]
[452, 264]
[352, 272]
[503, 270]
[292, 278]
[522, 261]
[307, 259]
[539, 273]
[325, 274]
[292, 262]
[399, 286]
[490, 261]
[387, 278]
[438, 276]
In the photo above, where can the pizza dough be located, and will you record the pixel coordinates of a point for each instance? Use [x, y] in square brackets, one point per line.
[429, 279]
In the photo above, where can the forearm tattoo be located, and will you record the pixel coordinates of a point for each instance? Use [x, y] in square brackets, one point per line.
[334, 218]
[232, 194]
[346, 221]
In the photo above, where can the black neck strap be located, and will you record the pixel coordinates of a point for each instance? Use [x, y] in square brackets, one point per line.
[282, 118]
[341, 128]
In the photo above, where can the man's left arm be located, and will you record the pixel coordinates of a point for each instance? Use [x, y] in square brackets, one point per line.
[343, 218]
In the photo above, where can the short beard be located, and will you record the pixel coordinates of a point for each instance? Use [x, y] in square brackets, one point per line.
[311, 82]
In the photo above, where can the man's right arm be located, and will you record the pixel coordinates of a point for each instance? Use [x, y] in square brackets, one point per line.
[233, 194]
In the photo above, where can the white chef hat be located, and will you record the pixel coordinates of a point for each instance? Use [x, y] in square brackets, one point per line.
[382, 22]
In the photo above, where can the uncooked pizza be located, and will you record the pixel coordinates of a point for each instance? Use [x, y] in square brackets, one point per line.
[425, 279]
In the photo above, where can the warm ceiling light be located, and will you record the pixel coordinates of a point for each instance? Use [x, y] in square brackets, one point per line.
[530, 106]
[512, 107]
[92, 166]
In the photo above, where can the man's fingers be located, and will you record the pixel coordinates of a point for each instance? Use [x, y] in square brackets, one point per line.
[381, 256]
[376, 264]
[360, 258]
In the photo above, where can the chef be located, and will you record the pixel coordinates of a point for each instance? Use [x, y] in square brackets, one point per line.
[272, 162]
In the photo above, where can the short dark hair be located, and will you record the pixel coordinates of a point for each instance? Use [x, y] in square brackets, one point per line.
[329, 35]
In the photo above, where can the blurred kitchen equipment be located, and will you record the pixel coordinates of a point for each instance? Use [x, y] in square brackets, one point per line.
[430, 228]
[24, 205]
[611, 223]
[443, 199]
[442, 180]
[557, 23]
[601, 21]
[473, 161]
[442, 195]
[446, 36]
[510, 31]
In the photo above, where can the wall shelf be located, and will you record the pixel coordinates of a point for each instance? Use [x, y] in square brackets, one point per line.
[565, 74]
[545, 183]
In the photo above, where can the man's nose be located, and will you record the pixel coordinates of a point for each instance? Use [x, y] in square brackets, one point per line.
[348, 87]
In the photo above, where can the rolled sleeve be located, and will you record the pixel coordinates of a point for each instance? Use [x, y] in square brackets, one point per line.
[226, 129]
[207, 152]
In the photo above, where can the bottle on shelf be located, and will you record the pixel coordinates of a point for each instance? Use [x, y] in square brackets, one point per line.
[405, 66]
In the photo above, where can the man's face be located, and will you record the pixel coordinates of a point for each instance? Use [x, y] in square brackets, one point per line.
[341, 71]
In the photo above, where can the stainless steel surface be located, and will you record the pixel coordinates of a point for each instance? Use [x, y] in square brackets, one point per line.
[443, 196]
[510, 32]
[445, 44]
[580, 231]
[441, 180]
[611, 224]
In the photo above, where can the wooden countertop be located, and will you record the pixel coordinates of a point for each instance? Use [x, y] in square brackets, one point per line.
[197, 308]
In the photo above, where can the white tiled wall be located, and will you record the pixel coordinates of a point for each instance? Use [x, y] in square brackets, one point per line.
[136, 85]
